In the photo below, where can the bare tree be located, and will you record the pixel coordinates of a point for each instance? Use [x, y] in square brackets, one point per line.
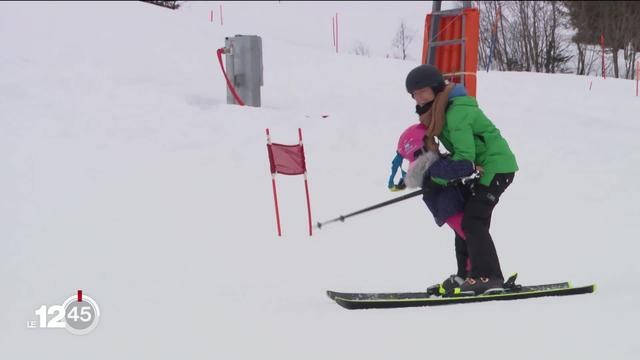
[586, 59]
[488, 9]
[582, 58]
[168, 4]
[528, 35]
[616, 20]
[632, 40]
[402, 40]
[629, 54]
[591, 60]
[361, 49]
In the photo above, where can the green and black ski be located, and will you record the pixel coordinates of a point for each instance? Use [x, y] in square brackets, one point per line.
[512, 291]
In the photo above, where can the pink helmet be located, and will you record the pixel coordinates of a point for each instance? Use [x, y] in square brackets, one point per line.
[411, 140]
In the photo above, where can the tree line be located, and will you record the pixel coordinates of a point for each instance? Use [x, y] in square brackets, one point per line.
[559, 36]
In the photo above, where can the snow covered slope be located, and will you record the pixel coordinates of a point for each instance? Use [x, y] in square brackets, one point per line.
[126, 174]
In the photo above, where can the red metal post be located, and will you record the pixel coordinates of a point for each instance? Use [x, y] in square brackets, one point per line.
[275, 193]
[275, 199]
[306, 186]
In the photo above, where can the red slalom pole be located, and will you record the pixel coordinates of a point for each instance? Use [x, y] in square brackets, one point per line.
[275, 193]
[221, 22]
[306, 186]
[275, 199]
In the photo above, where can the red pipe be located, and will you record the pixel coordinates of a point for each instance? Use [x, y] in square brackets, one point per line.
[229, 84]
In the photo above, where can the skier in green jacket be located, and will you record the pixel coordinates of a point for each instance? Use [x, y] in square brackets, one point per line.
[468, 135]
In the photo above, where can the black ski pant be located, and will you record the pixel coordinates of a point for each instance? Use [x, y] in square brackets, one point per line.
[476, 223]
[462, 256]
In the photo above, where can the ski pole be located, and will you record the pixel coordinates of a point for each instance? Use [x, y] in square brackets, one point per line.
[341, 218]
[377, 206]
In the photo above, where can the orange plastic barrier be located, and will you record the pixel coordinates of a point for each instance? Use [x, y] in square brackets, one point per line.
[449, 57]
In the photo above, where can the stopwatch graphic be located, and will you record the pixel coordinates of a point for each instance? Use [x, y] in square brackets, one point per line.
[79, 314]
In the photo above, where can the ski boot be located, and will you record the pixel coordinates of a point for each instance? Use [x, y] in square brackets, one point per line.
[446, 287]
[480, 286]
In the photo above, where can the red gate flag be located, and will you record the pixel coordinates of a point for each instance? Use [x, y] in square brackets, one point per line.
[287, 160]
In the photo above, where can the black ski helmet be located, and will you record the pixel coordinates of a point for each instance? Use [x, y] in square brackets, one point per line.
[425, 76]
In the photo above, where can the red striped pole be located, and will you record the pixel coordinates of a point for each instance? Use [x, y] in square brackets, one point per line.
[306, 185]
[275, 193]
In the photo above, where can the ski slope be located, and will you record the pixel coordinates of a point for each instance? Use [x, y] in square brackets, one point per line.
[126, 174]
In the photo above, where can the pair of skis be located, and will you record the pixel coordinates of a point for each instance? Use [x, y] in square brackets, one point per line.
[511, 291]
